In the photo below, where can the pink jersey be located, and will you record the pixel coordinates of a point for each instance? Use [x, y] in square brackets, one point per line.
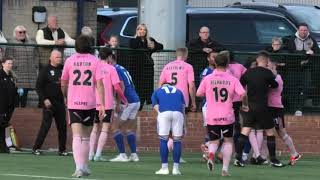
[237, 70]
[110, 78]
[219, 89]
[82, 72]
[274, 96]
[179, 74]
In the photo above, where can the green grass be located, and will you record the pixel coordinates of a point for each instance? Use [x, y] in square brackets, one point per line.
[51, 165]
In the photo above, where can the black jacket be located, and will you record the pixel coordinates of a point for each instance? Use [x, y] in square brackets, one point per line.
[197, 45]
[8, 91]
[138, 43]
[49, 84]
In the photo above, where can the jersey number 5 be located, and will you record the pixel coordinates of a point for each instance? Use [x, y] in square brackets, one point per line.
[222, 93]
[174, 79]
[86, 82]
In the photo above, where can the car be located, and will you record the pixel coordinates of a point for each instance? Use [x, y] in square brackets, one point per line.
[237, 29]
[296, 13]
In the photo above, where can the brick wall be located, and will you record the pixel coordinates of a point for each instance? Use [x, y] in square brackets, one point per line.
[304, 131]
[19, 12]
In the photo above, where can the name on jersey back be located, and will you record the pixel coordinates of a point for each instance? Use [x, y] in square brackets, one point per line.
[220, 82]
[82, 63]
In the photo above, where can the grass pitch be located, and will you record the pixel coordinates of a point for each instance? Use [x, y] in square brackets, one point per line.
[50, 166]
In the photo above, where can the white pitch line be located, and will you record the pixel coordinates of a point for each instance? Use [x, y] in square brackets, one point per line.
[45, 177]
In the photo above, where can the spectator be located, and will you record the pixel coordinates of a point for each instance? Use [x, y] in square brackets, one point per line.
[26, 66]
[276, 46]
[8, 93]
[2, 49]
[142, 65]
[199, 49]
[303, 43]
[52, 35]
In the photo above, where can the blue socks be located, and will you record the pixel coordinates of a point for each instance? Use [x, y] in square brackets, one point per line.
[164, 151]
[118, 138]
[177, 146]
[131, 138]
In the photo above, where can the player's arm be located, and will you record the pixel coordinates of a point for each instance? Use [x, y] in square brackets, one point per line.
[155, 102]
[272, 80]
[64, 89]
[162, 79]
[118, 89]
[192, 92]
[100, 89]
[192, 88]
[201, 89]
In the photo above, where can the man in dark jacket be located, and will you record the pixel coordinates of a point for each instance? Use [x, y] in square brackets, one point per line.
[49, 90]
[8, 92]
[303, 43]
[199, 49]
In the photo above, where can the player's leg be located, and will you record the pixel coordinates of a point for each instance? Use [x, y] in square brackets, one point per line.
[271, 143]
[131, 131]
[177, 127]
[116, 125]
[163, 129]
[204, 146]
[93, 137]
[227, 148]
[248, 124]
[103, 135]
[81, 123]
[214, 132]
[281, 131]
[47, 115]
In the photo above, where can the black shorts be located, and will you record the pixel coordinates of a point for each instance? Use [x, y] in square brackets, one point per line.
[277, 115]
[257, 119]
[106, 119]
[216, 131]
[85, 117]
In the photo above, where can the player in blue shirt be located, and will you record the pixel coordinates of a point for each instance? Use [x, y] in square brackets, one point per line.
[125, 116]
[169, 103]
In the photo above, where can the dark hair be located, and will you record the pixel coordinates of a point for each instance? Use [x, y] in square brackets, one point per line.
[303, 24]
[84, 44]
[221, 60]
[104, 53]
[6, 58]
[209, 54]
[264, 54]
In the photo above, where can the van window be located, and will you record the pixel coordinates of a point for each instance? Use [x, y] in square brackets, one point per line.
[129, 27]
[224, 29]
[267, 29]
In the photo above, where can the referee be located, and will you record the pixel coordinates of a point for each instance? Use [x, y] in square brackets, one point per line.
[51, 98]
[258, 80]
[8, 92]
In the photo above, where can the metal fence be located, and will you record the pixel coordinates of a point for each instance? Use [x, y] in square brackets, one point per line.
[301, 82]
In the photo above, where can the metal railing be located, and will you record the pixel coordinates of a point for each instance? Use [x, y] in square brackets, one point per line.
[301, 81]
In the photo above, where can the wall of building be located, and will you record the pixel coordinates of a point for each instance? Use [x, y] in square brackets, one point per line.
[303, 130]
[19, 12]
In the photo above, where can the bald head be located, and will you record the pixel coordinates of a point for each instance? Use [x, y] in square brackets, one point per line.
[204, 33]
[55, 58]
[262, 58]
[52, 22]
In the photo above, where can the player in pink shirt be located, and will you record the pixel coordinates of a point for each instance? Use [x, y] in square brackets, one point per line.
[180, 74]
[277, 113]
[111, 83]
[237, 70]
[219, 89]
[80, 78]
